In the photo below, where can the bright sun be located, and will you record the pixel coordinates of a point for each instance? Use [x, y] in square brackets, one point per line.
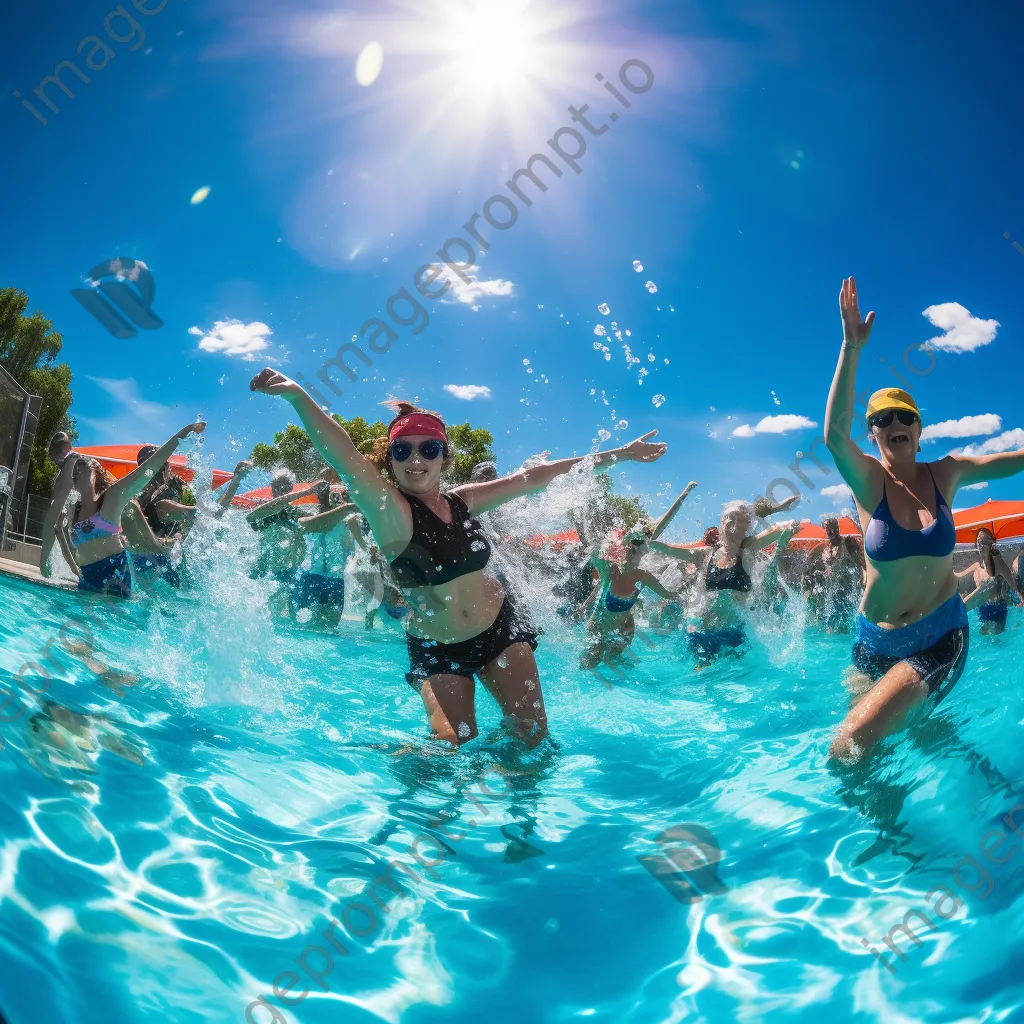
[491, 42]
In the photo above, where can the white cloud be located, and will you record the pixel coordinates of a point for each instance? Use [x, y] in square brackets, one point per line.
[1007, 441]
[471, 293]
[966, 426]
[467, 392]
[964, 332]
[975, 487]
[781, 424]
[839, 494]
[233, 338]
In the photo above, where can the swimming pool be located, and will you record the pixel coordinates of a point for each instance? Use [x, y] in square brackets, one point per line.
[168, 854]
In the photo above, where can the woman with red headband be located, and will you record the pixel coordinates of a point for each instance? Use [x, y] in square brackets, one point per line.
[461, 623]
[911, 635]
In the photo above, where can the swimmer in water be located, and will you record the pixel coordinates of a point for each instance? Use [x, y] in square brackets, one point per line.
[993, 581]
[97, 538]
[611, 627]
[911, 637]
[329, 539]
[833, 581]
[282, 543]
[726, 565]
[165, 522]
[462, 624]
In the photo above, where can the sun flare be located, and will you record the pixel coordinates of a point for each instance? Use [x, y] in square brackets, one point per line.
[492, 44]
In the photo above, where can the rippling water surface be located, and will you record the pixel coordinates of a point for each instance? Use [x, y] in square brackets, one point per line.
[171, 853]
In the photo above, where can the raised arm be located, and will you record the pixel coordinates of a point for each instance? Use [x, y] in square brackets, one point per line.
[140, 533]
[241, 471]
[860, 471]
[378, 499]
[649, 580]
[481, 497]
[980, 593]
[128, 487]
[61, 490]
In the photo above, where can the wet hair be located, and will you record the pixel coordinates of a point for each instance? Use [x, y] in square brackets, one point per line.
[743, 508]
[57, 442]
[711, 536]
[99, 481]
[282, 477]
[831, 525]
[380, 456]
[991, 536]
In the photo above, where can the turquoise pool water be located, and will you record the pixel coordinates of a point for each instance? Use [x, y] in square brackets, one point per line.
[168, 854]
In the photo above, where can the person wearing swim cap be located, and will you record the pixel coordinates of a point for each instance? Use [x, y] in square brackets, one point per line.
[461, 624]
[911, 637]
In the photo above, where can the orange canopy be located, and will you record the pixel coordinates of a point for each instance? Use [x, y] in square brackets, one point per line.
[1005, 519]
[120, 459]
[811, 533]
[251, 499]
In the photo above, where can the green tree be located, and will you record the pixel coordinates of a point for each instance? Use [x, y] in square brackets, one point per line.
[293, 448]
[28, 352]
[627, 511]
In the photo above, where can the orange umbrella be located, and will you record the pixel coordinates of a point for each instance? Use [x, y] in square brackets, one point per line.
[120, 459]
[251, 499]
[221, 477]
[1004, 519]
[811, 533]
[556, 540]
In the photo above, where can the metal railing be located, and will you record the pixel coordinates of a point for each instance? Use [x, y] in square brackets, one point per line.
[25, 517]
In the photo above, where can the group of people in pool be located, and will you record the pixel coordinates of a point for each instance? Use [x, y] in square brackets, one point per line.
[428, 551]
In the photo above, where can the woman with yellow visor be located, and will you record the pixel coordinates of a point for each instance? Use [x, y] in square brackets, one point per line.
[911, 636]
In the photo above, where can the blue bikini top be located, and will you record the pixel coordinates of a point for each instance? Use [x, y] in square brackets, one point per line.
[614, 603]
[886, 541]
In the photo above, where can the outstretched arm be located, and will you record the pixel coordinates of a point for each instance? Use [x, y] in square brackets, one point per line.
[322, 522]
[378, 499]
[975, 469]
[980, 593]
[776, 533]
[272, 507]
[860, 471]
[692, 556]
[128, 487]
[663, 523]
[482, 497]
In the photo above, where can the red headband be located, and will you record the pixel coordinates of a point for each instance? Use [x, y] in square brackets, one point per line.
[418, 423]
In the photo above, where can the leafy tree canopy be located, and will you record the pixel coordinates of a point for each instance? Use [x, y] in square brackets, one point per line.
[293, 448]
[28, 351]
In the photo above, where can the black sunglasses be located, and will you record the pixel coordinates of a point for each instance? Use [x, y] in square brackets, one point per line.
[883, 419]
[429, 449]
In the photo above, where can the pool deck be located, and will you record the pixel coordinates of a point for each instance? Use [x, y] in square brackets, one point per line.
[31, 574]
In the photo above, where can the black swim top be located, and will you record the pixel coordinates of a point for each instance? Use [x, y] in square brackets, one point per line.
[440, 552]
[733, 577]
[285, 518]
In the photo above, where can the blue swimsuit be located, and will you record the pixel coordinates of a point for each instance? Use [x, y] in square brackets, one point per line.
[935, 646]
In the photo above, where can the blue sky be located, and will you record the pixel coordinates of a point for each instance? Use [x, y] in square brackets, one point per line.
[780, 148]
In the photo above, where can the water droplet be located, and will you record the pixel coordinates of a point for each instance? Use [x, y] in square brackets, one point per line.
[551, 926]
[502, 661]
[638, 266]
[712, 408]
[658, 401]
[600, 331]
[607, 355]
[650, 357]
[603, 309]
[464, 731]
[622, 425]
[651, 287]
[603, 434]
[526, 362]
[598, 346]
